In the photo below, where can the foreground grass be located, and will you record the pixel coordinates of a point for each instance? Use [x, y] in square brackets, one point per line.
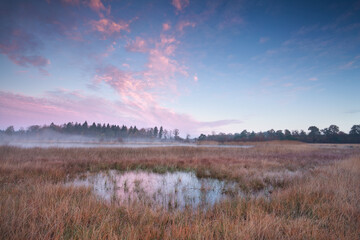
[322, 202]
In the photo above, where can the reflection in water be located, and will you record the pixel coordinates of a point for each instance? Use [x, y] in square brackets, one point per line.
[176, 190]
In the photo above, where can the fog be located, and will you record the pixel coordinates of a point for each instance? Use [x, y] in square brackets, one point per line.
[49, 138]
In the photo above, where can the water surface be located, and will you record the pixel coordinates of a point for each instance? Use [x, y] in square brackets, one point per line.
[178, 190]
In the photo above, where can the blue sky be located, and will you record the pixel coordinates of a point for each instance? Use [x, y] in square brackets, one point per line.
[199, 66]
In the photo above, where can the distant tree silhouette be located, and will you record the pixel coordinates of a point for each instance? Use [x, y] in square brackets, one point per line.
[279, 134]
[161, 132]
[355, 130]
[156, 132]
[287, 134]
[314, 133]
[10, 130]
[176, 133]
[202, 137]
[332, 130]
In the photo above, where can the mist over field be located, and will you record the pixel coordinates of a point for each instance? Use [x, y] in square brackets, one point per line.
[83, 135]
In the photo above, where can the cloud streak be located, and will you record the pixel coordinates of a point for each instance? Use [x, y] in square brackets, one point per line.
[61, 106]
[109, 27]
[98, 6]
[166, 26]
[180, 4]
[95, 5]
[141, 91]
[137, 45]
[184, 24]
[20, 47]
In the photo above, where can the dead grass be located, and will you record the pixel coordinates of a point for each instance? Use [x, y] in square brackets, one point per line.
[323, 202]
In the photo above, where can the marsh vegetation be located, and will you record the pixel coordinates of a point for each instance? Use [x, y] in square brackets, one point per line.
[312, 192]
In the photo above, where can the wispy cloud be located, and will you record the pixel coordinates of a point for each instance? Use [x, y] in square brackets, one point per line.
[161, 66]
[313, 79]
[57, 106]
[20, 47]
[98, 6]
[137, 45]
[62, 106]
[95, 5]
[166, 26]
[141, 91]
[180, 4]
[109, 50]
[183, 24]
[353, 63]
[109, 27]
[36, 61]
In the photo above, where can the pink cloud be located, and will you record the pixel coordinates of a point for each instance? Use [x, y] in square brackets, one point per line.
[124, 82]
[70, 31]
[109, 27]
[109, 50]
[137, 91]
[180, 4]
[166, 26]
[125, 65]
[313, 79]
[37, 61]
[19, 46]
[166, 40]
[158, 74]
[98, 7]
[137, 45]
[184, 24]
[196, 78]
[63, 106]
[161, 66]
[22, 110]
[95, 5]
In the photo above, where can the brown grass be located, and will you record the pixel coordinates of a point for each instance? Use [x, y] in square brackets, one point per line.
[321, 202]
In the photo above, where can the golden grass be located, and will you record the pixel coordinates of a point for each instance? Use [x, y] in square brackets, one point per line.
[323, 202]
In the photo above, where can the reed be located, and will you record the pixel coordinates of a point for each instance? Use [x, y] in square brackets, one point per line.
[316, 196]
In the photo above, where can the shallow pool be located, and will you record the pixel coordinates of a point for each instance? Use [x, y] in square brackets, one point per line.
[178, 190]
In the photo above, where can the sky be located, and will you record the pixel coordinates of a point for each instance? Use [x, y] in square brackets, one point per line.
[199, 66]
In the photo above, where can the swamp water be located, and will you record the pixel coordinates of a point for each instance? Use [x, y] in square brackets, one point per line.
[177, 190]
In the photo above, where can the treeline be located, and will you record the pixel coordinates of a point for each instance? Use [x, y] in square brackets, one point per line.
[331, 134]
[99, 131]
[107, 132]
